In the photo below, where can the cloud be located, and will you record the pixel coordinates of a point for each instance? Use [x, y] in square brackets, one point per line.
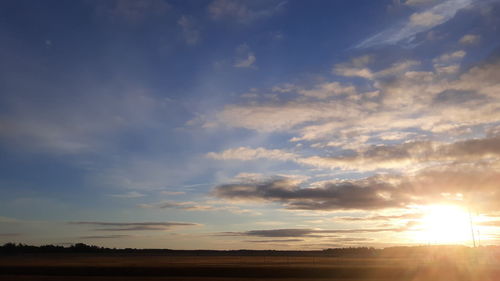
[245, 57]
[133, 226]
[247, 153]
[131, 194]
[188, 205]
[196, 206]
[403, 99]
[282, 117]
[425, 19]
[418, 2]
[454, 56]
[104, 236]
[307, 232]
[190, 32]
[332, 196]
[131, 11]
[244, 11]
[274, 241]
[356, 69]
[470, 39]
[446, 183]
[410, 153]
[418, 22]
[172, 192]
[327, 90]
[375, 157]
[382, 217]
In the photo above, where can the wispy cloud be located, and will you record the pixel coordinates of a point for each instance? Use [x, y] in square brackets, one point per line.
[133, 226]
[418, 22]
[470, 39]
[188, 205]
[131, 11]
[244, 11]
[104, 236]
[247, 153]
[245, 58]
[274, 241]
[196, 206]
[307, 232]
[190, 31]
[130, 194]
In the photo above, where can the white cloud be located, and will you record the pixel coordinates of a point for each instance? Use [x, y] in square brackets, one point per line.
[449, 69]
[418, 22]
[402, 99]
[470, 39]
[246, 62]
[245, 57]
[247, 153]
[327, 90]
[354, 69]
[418, 2]
[454, 56]
[426, 19]
[357, 67]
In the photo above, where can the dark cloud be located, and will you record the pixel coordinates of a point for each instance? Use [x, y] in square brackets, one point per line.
[453, 97]
[471, 183]
[351, 239]
[382, 217]
[274, 241]
[307, 232]
[134, 226]
[473, 148]
[346, 195]
[103, 236]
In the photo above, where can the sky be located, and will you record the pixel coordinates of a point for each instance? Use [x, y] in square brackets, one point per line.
[277, 124]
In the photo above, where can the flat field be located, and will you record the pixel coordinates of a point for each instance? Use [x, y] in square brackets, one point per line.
[137, 267]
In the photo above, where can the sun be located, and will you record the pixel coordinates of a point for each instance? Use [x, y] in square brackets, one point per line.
[444, 224]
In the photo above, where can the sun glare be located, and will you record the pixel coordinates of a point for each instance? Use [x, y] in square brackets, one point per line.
[445, 224]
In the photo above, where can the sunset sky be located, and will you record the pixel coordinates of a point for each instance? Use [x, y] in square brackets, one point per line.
[278, 124]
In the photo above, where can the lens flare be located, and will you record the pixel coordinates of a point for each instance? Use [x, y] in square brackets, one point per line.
[444, 224]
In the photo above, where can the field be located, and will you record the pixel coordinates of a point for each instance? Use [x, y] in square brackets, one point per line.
[210, 268]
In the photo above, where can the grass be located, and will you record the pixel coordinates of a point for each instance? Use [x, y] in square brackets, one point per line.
[149, 267]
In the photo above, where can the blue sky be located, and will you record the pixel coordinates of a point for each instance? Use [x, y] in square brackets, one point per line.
[246, 124]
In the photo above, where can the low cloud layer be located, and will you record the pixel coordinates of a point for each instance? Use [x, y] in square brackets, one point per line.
[307, 232]
[104, 236]
[133, 226]
[457, 183]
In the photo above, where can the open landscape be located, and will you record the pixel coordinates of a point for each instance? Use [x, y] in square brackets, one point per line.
[420, 263]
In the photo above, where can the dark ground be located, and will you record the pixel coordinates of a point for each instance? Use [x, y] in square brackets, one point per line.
[37, 267]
